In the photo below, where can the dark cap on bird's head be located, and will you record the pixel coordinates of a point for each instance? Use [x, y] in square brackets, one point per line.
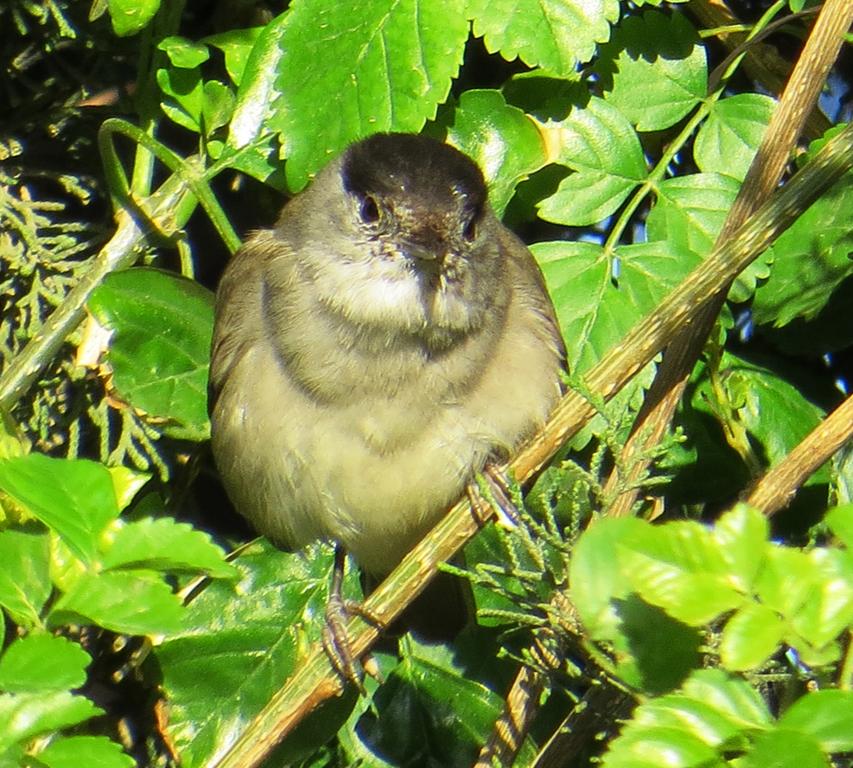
[387, 164]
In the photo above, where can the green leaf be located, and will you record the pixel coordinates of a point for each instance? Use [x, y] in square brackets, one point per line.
[741, 535]
[184, 53]
[130, 16]
[729, 138]
[595, 311]
[840, 521]
[26, 715]
[218, 106]
[421, 703]
[653, 70]
[775, 413]
[183, 87]
[240, 641]
[750, 637]
[42, 663]
[134, 603]
[24, 578]
[781, 748]
[595, 577]
[811, 260]
[689, 213]
[600, 145]
[553, 34]
[730, 696]
[91, 751]
[826, 716]
[503, 141]
[236, 45]
[680, 568]
[829, 610]
[163, 545]
[159, 350]
[77, 503]
[387, 65]
[785, 580]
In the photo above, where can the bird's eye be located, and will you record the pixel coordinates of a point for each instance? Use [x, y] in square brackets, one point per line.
[469, 230]
[369, 210]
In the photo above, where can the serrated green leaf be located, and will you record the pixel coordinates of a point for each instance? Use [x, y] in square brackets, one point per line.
[552, 34]
[503, 141]
[42, 663]
[387, 65]
[77, 503]
[706, 723]
[184, 53]
[750, 637]
[163, 545]
[646, 663]
[132, 603]
[729, 138]
[127, 483]
[240, 642]
[159, 350]
[811, 260]
[91, 751]
[653, 69]
[26, 715]
[24, 578]
[595, 311]
[130, 16]
[601, 146]
[826, 716]
[236, 45]
[690, 211]
[781, 748]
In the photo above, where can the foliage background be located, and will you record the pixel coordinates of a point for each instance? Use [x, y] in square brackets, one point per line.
[614, 137]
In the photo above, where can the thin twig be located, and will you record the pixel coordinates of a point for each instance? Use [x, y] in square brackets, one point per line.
[776, 489]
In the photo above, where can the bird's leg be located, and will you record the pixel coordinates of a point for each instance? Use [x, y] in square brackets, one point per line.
[336, 641]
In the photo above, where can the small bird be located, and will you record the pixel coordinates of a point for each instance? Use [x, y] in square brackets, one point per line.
[375, 349]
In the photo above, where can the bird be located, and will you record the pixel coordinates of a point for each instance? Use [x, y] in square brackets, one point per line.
[375, 349]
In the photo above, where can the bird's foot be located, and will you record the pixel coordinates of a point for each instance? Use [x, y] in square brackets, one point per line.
[336, 640]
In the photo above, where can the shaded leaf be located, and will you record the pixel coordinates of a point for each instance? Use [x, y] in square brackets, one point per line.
[653, 69]
[503, 141]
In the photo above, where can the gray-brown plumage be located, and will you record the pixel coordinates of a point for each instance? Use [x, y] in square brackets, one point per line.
[375, 348]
